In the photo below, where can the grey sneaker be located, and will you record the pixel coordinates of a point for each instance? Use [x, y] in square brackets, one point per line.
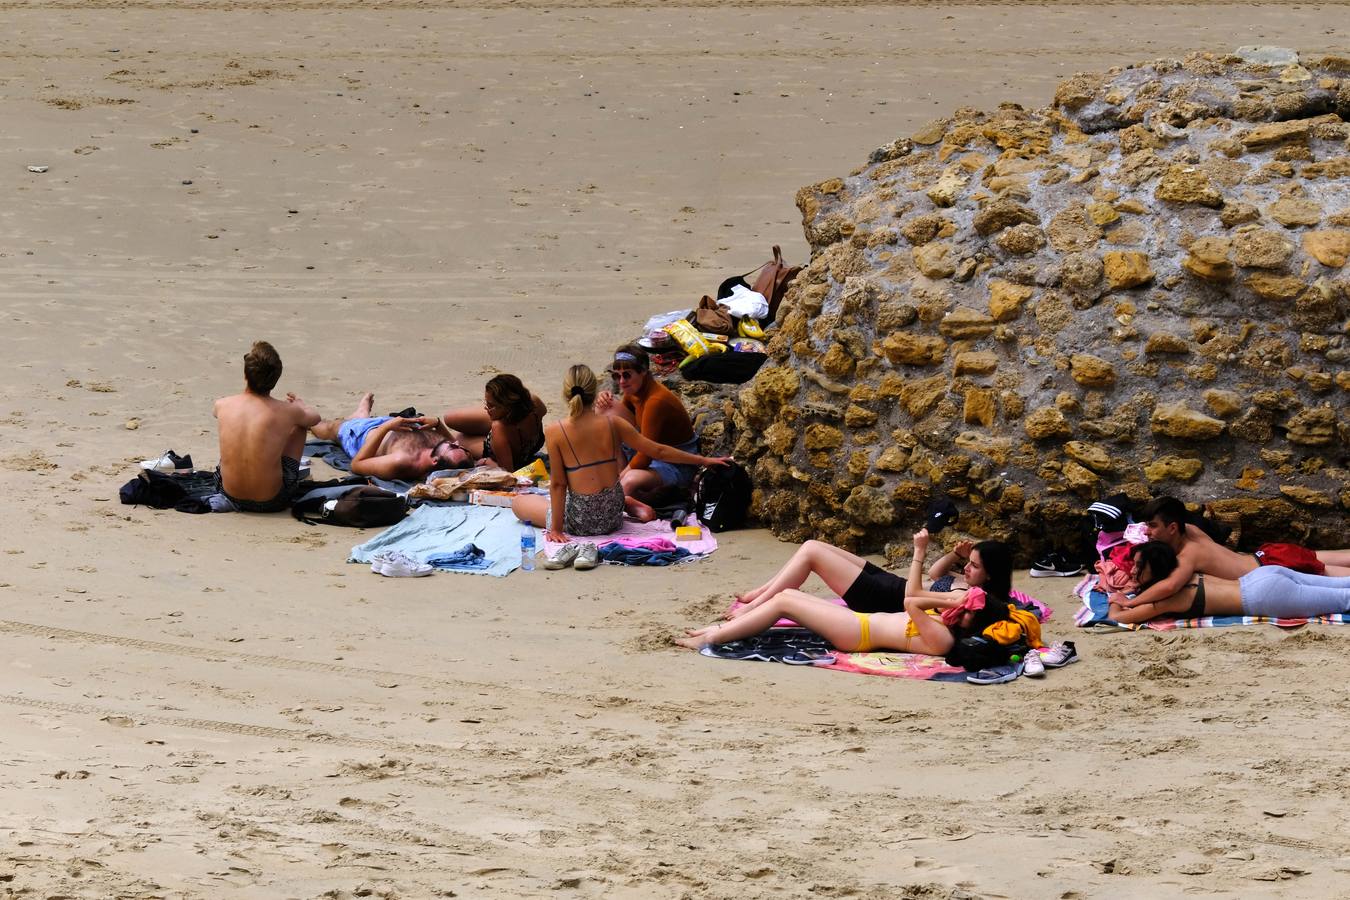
[563, 557]
[588, 557]
[1058, 654]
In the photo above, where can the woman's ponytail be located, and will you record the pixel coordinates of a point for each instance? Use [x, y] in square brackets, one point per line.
[579, 390]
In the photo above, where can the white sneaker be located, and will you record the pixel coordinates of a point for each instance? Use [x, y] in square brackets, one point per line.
[398, 565]
[1032, 665]
[563, 557]
[588, 557]
[169, 462]
[1059, 654]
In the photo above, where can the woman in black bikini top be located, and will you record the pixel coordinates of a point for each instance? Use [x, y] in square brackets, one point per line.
[507, 430]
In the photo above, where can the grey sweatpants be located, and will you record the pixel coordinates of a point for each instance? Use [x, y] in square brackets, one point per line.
[1283, 593]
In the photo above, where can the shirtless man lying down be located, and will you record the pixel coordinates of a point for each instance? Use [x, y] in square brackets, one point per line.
[391, 446]
[1165, 519]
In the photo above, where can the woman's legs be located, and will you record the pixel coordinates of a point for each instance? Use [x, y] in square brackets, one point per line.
[836, 567]
[532, 508]
[837, 624]
[470, 420]
[327, 430]
[1279, 592]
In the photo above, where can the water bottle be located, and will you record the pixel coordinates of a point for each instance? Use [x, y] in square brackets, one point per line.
[527, 546]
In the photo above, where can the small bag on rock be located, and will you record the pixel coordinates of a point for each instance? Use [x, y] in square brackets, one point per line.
[711, 317]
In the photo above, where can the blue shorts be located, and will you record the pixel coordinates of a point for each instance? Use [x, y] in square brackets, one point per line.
[675, 474]
[352, 432]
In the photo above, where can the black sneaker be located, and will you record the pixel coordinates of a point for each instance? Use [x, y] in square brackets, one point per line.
[996, 674]
[1055, 565]
[170, 462]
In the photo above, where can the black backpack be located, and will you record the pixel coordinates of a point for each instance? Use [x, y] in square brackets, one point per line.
[977, 652]
[722, 496]
[350, 505]
[731, 367]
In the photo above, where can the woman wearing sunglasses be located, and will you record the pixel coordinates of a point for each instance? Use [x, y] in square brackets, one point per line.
[585, 462]
[658, 415]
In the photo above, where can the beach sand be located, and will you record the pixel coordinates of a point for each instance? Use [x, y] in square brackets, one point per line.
[409, 197]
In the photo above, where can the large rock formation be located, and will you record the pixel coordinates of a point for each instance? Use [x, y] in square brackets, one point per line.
[1143, 287]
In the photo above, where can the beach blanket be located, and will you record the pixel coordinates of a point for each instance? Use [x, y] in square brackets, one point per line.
[637, 534]
[800, 647]
[434, 530]
[1095, 607]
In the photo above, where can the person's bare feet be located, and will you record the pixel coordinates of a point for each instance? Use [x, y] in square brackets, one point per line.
[695, 638]
[639, 510]
[365, 406]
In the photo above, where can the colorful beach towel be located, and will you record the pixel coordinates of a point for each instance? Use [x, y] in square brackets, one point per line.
[434, 530]
[1095, 608]
[801, 647]
[636, 534]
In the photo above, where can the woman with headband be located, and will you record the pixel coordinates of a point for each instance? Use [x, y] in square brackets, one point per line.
[659, 415]
[585, 460]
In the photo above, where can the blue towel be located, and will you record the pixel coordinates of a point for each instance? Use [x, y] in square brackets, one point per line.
[636, 556]
[468, 558]
[434, 530]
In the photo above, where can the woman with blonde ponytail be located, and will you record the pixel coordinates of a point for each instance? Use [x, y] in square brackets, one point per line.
[585, 459]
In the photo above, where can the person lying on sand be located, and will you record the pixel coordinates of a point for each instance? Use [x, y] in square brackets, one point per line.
[1165, 519]
[507, 430]
[864, 586]
[393, 447]
[964, 613]
[1272, 591]
[584, 458]
[658, 415]
[261, 437]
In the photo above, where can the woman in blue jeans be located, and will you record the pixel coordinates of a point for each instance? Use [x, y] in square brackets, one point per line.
[1271, 591]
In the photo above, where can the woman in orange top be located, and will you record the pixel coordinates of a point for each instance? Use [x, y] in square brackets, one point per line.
[658, 416]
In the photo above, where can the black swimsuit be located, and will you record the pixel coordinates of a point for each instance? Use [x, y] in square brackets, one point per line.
[1197, 607]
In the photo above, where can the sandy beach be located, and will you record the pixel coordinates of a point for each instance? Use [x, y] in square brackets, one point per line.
[408, 198]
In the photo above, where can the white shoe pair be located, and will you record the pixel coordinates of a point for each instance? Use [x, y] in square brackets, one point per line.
[580, 556]
[394, 564]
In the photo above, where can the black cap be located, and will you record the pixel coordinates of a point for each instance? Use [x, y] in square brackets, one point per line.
[941, 513]
[1111, 514]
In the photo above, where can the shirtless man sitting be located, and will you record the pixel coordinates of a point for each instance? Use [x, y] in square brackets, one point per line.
[261, 437]
[1165, 519]
[393, 447]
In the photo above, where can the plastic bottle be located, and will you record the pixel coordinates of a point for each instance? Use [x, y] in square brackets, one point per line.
[527, 546]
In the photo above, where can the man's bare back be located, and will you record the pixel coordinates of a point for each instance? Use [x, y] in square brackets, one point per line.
[256, 431]
[1204, 555]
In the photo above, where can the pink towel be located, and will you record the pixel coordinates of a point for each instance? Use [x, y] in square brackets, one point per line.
[645, 531]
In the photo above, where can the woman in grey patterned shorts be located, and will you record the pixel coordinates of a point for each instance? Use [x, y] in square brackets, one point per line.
[585, 462]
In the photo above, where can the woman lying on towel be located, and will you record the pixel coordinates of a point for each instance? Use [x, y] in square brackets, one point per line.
[507, 430]
[865, 586]
[1271, 591]
[984, 609]
[585, 455]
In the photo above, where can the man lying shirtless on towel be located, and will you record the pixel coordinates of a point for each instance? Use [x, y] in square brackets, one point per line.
[393, 447]
[1165, 519]
[261, 437]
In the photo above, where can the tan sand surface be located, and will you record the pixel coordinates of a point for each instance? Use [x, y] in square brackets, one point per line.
[409, 197]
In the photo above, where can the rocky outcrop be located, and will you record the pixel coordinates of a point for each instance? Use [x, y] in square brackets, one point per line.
[1143, 287]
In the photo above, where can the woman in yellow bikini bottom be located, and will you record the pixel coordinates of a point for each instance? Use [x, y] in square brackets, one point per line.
[912, 631]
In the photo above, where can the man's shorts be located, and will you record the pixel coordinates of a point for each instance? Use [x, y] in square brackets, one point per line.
[290, 483]
[352, 433]
[1291, 556]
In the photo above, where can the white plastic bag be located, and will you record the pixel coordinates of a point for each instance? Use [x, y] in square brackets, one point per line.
[744, 303]
[661, 320]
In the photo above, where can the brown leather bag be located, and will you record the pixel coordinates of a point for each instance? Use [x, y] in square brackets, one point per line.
[711, 317]
[773, 280]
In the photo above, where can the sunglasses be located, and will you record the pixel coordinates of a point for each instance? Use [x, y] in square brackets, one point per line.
[624, 374]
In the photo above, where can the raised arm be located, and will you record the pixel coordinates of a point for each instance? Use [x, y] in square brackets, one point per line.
[956, 557]
[914, 583]
[367, 460]
[652, 450]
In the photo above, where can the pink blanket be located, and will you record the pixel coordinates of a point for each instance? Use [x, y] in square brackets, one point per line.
[639, 534]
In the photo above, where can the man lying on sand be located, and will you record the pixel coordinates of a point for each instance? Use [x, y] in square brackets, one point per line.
[261, 437]
[393, 447]
[1165, 519]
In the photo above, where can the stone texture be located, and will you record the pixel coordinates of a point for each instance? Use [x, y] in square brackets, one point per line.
[1127, 269]
[1330, 248]
[1024, 309]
